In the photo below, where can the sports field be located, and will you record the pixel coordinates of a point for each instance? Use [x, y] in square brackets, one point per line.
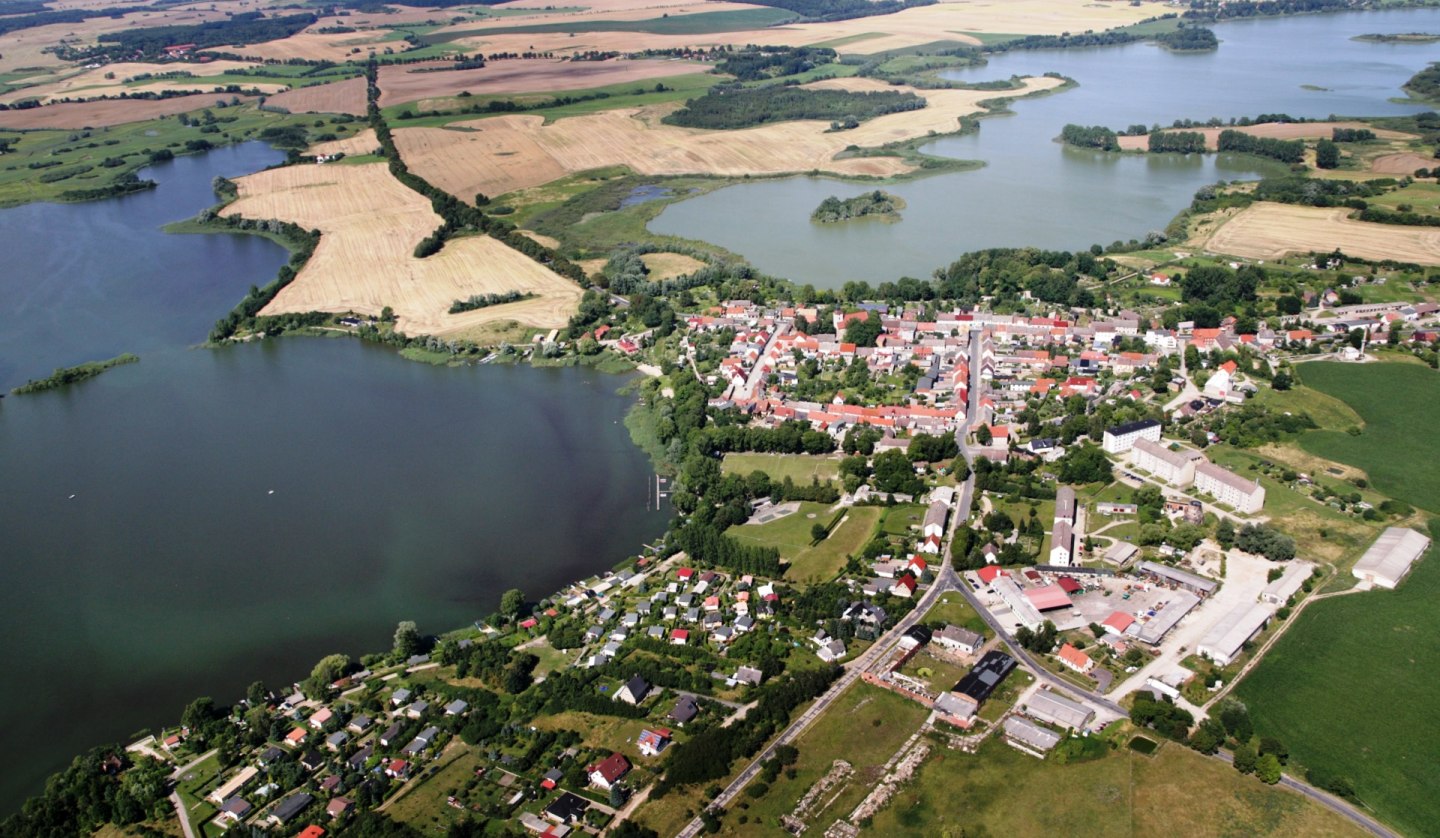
[1399, 445]
[1351, 688]
[791, 536]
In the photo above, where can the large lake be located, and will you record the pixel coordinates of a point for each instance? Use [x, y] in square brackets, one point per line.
[1034, 191]
[183, 526]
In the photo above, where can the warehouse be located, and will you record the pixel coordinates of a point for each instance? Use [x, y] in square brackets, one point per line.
[1389, 559]
[1030, 737]
[1159, 625]
[1197, 584]
[981, 681]
[1289, 583]
[1020, 607]
[1225, 640]
[1056, 709]
[1048, 598]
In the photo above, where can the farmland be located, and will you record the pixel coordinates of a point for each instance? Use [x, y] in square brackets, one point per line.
[1397, 447]
[1272, 130]
[1270, 231]
[1377, 638]
[368, 218]
[503, 154]
[1000, 791]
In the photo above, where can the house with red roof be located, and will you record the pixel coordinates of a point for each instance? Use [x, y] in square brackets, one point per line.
[904, 586]
[320, 717]
[989, 573]
[609, 772]
[652, 742]
[1075, 659]
[295, 737]
[685, 573]
[311, 831]
[679, 637]
[398, 769]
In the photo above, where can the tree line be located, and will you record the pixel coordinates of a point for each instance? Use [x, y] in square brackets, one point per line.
[1286, 151]
[756, 63]
[477, 301]
[728, 107]
[1177, 142]
[1090, 136]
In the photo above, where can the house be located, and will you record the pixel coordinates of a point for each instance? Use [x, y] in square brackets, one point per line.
[634, 691]
[295, 737]
[679, 637]
[1075, 659]
[831, 651]
[311, 760]
[359, 724]
[269, 756]
[311, 831]
[290, 807]
[330, 784]
[609, 772]
[1121, 438]
[684, 710]
[652, 742]
[391, 734]
[399, 697]
[337, 740]
[339, 807]
[397, 769]
[990, 573]
[321, 717]
[959, 639]
[456, 707]
[552, 779]
[359, 758]
[748, 675]
[567, 808]
[915, 637]
[236, 809]
[417, 709]
[904, 586]
[172, 741]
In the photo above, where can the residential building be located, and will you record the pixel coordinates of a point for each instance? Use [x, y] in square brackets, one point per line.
[959, 639]
[1075, 659]
[1121, 438]
[1173, 467]
[1229, 488]
[652, 742]
[634, 691]
[608, 772]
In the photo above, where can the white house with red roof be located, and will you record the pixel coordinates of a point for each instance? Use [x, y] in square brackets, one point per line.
[607, 773]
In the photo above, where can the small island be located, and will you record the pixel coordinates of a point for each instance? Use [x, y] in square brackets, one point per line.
[1399, 38]
[70, 375]
[1188, 39]
[833, 210]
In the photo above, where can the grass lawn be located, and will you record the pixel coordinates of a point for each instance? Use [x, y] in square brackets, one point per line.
[791, 536]
[1381, 638]
[1328, 412]
[800, 468]
[610, 732]
[1398, 445]
[551, 659]
[1000, 791]
[424, 804]
[953, 609]
[864, 727]
[899, 520]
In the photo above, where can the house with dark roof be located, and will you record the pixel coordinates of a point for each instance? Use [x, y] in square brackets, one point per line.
[685, 709]
[236, 809]
[567, 808]
[987, 675]
[290, 807]
[634, 691]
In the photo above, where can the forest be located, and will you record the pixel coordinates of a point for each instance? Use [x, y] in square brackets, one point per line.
[1424, 84]
[244, 28]
[767, 62]
[818, 11]
[1188, 39]
[1090, 136]
[1286, 151]
[833, 210]
[728, 107]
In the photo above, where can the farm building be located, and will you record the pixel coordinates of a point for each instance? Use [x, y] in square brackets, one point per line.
[1121, 553]
[1056, 709]
[1189, 581]
[1029, 736]
[1020, 606]
[1156, 627]
[1389, 559]
[959, 639]
[1289, 583]
[1062, 540]
[981, 681]
[1048, 598]
[1224, 641]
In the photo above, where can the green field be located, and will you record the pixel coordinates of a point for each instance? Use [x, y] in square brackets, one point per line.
[1398, 446]
[865, 727]
[953, 609]
[56, 153]
[702, 23]
[1350, 688]
[791, 536]
[1000, 791]
[800, 468]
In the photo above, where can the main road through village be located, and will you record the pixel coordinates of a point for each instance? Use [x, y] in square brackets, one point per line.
[948, 580]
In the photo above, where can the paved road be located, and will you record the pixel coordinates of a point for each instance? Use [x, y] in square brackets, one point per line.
[180, 811]
[1329, 801]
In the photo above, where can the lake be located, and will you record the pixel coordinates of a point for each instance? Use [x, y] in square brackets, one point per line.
[1035, 191]
[183, 526]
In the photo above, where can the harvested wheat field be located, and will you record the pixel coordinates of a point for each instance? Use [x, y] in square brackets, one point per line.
[1270, 231]
[314, 46]
[1402, 164]
[100, 113]
[347, 96]
[362, 143]
[369, 225]
[502, 154]
[1272, 130]
[92, 83]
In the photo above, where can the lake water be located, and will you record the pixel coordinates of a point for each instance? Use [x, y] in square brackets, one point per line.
[1035, 191]
[239, 513]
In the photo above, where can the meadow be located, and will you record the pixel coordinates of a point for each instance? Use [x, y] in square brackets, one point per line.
[800, 468]
[1397, 446]
[1000, 791]
[1350, 689]
[791, 536]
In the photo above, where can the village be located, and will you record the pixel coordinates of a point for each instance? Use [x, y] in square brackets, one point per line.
[1002, 599]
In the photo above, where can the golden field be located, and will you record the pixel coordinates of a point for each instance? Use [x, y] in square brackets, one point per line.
[1270, 231]
[370, 224]
[502, 154]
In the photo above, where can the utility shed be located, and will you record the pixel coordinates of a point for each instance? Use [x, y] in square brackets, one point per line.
[1227, 637]
[1389, 559]
[1289, 583]
[1048, 706]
